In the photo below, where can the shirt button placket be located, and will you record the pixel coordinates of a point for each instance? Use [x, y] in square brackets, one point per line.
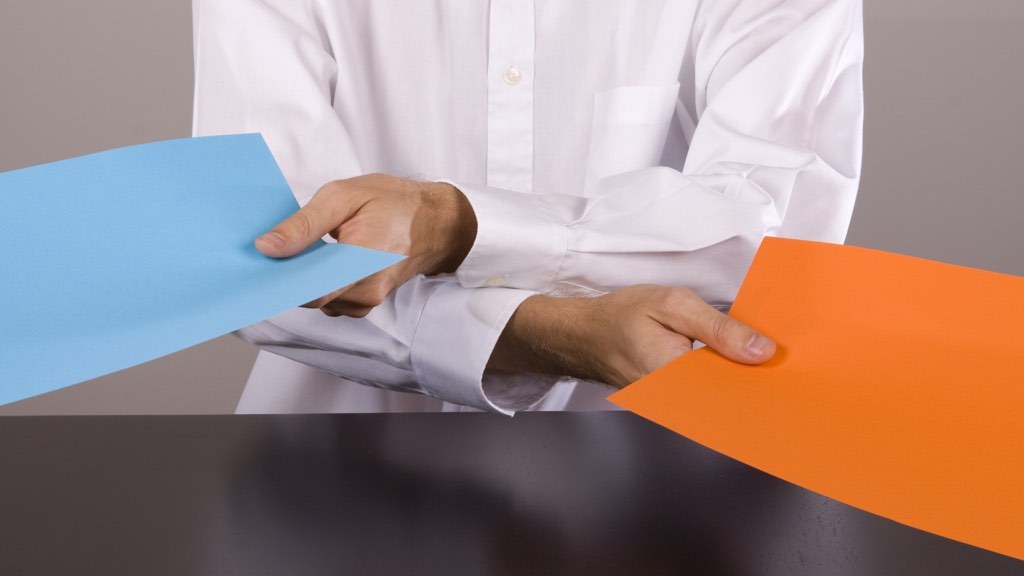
[510, 95]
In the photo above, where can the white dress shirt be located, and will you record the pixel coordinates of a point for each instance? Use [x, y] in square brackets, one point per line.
[601, 144]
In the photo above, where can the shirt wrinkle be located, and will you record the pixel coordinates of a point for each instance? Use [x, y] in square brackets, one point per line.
[501, 99]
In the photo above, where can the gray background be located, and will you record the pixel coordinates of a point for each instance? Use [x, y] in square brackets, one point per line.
[943, 144]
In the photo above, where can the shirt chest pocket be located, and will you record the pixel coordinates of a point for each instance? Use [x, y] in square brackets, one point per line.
[629, 129]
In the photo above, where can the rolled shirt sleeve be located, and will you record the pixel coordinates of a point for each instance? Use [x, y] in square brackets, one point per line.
[268, 67]
[773, 130]
[412, 342]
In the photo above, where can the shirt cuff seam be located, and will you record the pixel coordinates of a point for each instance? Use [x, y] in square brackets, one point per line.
[428, 373]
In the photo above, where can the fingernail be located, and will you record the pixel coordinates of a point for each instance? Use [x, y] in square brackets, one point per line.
[272, 240]
[758, 345]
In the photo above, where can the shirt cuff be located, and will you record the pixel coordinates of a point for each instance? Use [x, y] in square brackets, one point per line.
[521, 238]
[456, 335]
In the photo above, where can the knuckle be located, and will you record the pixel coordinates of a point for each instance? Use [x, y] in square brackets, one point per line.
[378, 292]
[355, 237]
[363, 181]
[367, 296]
[684, 294]
[678, 299]
[719, 327]
[333, 188]
[361, 295]
[303, 223]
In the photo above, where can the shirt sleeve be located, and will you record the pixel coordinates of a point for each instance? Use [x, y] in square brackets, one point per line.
[412, 343]
[266, 67]
[774, 148]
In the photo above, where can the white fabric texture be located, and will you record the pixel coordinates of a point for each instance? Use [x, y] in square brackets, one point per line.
[601, 144]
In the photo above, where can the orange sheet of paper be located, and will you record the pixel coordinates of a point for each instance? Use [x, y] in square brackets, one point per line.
[898, 388]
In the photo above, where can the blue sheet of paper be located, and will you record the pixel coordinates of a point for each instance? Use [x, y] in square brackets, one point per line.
[116, 258]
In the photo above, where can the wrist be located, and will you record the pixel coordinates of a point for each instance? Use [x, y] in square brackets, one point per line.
[455, 224]
[546, 335]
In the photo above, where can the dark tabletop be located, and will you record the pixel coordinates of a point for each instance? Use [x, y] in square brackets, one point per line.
[546, 493]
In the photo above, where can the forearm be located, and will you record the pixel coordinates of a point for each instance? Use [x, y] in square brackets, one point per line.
[544, 337]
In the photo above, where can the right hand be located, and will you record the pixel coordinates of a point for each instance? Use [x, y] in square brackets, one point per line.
[430, 222]
[620, 337]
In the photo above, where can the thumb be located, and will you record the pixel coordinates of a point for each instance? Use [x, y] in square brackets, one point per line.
[727, 336]
[323, 213]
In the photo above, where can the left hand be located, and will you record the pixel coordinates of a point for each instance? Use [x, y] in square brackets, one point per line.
[622, 336]
[431, 223]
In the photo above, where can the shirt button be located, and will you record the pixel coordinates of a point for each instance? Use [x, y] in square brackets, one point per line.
[512, 76]
[496, 282]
